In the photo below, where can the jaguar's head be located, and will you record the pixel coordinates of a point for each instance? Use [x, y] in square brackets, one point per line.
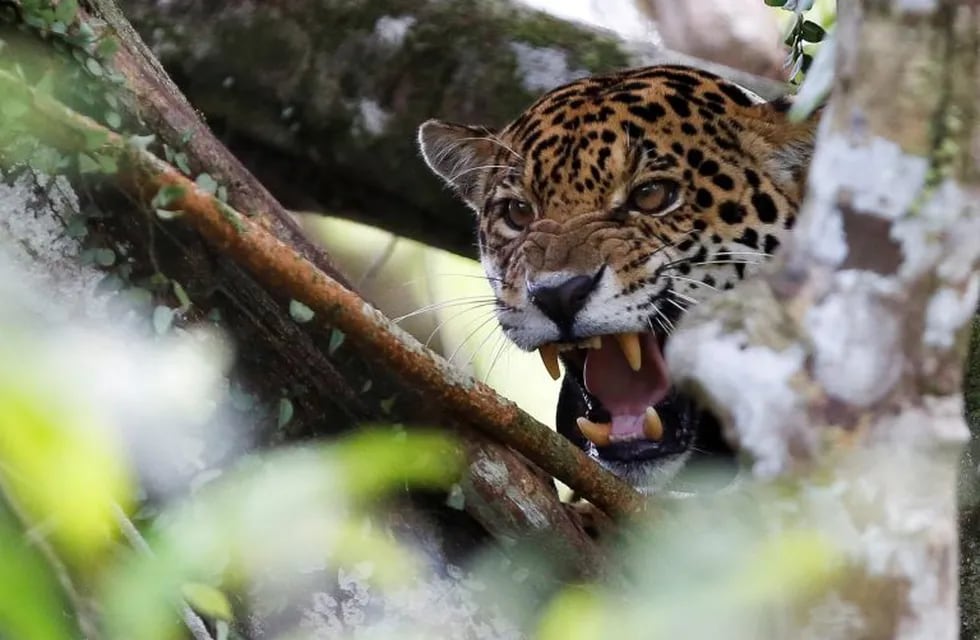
[605, 211]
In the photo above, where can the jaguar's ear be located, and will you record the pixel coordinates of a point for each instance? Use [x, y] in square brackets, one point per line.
[789, 141]
[461, 155]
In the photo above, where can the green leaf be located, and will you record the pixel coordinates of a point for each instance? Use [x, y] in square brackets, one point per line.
[94, 67]
[45, 159]
[817, 84]
[420, 459]
[76, 227]
[107, 47]
[105, 257]
[167, 195]
[182, 297]
[169, 214]
[49, 446]
[812, 32]
[86, 164]
[206, 183]
[66, 10]
[336, 339]
[180, 159]
[138, 297]
[29, 605]
[207, 600]
[388, 404]
[113, 119]
[285, 412]
[163, 319]
[142, 142]
[300, 312]
[456, 499]
[775, 3]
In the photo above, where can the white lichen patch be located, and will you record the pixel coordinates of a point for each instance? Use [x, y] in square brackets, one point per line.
[447, 606]
[948, 310]
[371, 117]
[493, 472]
[881, 179]
[941, 230]
[391, 30]
[751, 383]
[534, 516]
[822, 236]
[33, 214]
[857, 350]
[543, 68]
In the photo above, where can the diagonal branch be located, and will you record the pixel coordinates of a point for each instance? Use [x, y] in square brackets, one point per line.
[278, 266]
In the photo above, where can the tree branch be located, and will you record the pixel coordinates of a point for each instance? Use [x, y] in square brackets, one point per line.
[281, 268]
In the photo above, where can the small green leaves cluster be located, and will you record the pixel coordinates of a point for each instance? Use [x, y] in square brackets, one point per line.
[71, 66]
[807, 28]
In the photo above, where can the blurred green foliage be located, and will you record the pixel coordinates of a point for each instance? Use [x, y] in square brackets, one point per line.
[63, 470]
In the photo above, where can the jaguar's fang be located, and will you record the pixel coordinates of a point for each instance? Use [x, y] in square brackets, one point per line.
[549, 356]
[596, 432]
[653, 427]
[629, 343]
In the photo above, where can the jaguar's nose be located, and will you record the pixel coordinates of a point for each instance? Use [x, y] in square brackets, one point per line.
[561, 301]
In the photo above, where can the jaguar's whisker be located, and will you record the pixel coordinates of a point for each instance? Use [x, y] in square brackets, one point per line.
[682, 308]
[469, 337]
[681, 296]
[693, 282]
[497, 141]
[503, 344]
[453, 317]
[476, 301]
[479, 347]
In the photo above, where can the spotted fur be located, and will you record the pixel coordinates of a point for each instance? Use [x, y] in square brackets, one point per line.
[576, 155]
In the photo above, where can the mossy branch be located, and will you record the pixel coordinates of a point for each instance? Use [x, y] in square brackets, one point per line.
[280, 267]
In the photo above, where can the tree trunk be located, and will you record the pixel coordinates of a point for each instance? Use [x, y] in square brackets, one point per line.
[322, 99]
[854, 346]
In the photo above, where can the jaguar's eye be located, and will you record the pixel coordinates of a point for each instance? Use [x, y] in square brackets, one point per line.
[517, 213]
[654, 197]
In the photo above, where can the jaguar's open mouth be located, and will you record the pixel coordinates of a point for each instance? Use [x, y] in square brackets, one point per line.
[618, 404]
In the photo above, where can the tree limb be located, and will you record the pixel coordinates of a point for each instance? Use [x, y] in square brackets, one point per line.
[281, 268]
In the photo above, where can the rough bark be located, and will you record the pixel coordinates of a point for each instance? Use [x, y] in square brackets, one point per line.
[321, 99]
[854, 345]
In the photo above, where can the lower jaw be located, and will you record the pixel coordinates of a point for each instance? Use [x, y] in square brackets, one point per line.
[691, 456]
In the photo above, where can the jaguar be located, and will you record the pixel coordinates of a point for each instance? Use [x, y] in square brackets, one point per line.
[605, 211]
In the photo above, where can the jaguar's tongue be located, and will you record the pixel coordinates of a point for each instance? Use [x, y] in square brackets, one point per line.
[624, 393]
